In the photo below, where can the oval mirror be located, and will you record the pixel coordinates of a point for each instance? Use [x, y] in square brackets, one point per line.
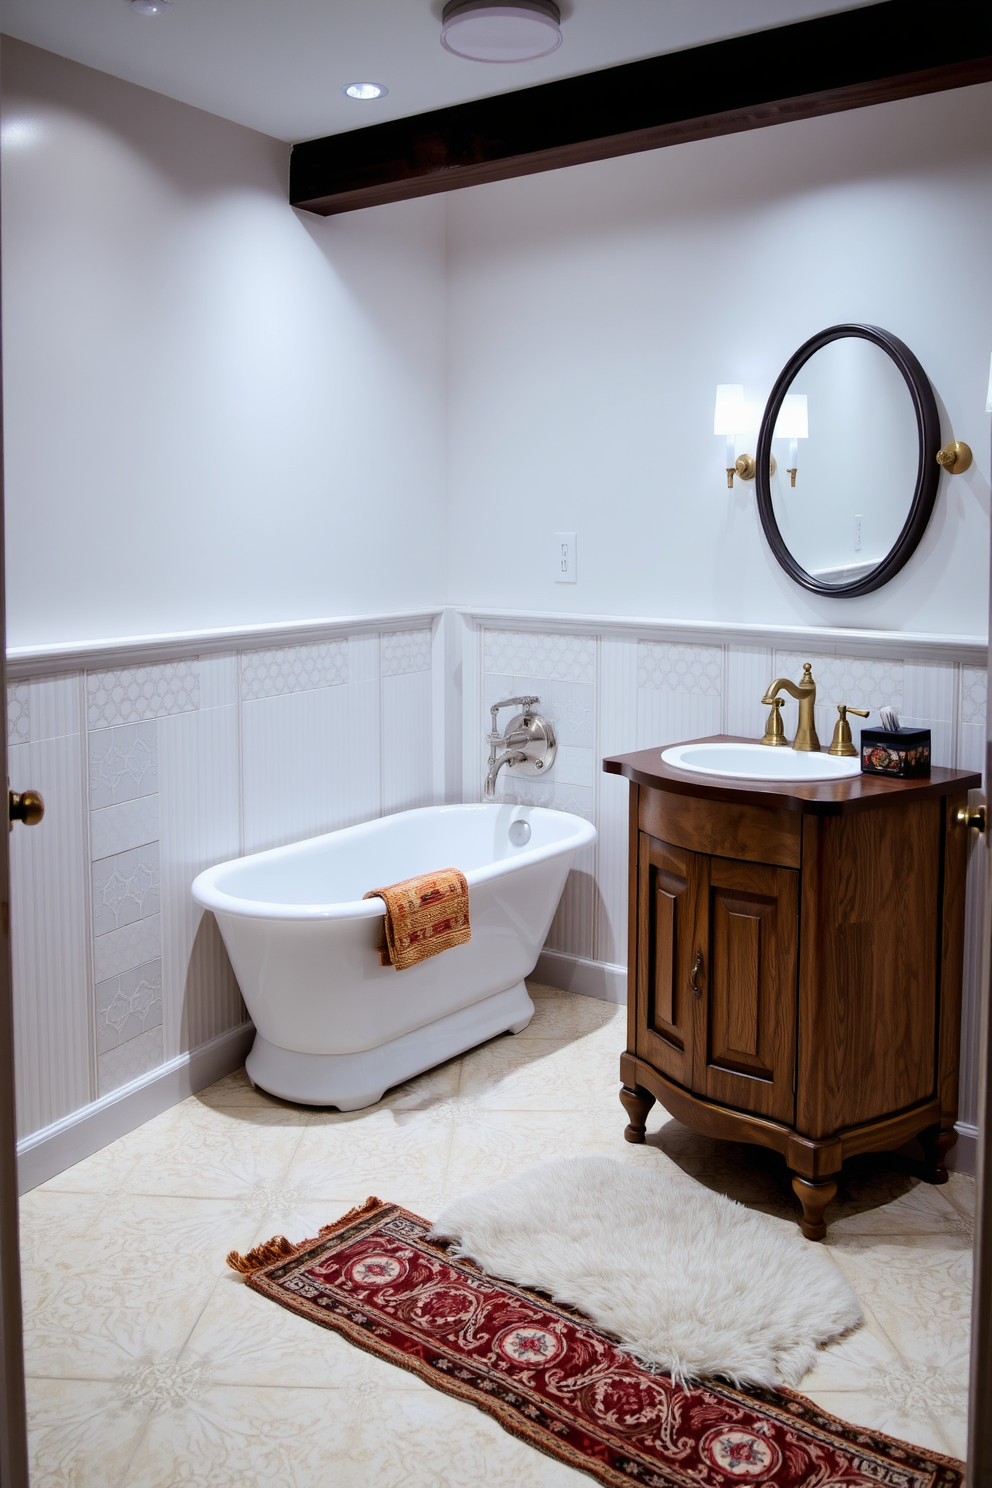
[847, 460]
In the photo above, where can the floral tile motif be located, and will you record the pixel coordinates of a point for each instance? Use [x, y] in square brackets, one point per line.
[115, 829]
[130, 946]
[136, 693]
[123, 764]
[293, 669]
[18, 713]
[564, 658]
[860, 681]
[128, 1005]
[974, 686]
[125, 888]
[678, 668]
[406, 651]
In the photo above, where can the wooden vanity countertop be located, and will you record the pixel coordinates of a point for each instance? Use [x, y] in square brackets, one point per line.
[814, 798]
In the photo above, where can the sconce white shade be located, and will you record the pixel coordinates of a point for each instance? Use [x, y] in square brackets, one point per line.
[793, 418]
[730, 414]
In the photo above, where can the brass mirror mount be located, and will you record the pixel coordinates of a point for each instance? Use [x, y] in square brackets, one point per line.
[746, 467]
[26, 807]
[973, 816]
[955, 457]
[842, 742]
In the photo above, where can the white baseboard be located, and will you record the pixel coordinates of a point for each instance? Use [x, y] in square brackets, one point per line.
[57, 1147]
[963, 1154]
[599, 979]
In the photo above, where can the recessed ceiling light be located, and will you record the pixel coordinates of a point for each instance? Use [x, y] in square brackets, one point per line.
[366, 90]
[516, 32]
[151, 7]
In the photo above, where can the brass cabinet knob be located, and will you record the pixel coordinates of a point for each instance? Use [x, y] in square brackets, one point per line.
[26, 807]
[973, 816]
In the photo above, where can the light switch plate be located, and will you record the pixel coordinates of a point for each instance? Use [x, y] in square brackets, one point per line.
[565, 558]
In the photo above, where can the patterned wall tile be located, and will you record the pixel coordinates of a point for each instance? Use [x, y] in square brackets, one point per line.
[18, 713]
[573, 711]
[128, 1005]
[406, 651]
[123, 764]
[680, 668]
[136, 693]
[974, 686]
[125, 888]
[132, 945]
[861, 681]
[138, 1056]
[293, 669]
[565, 658]
[574, 766]
[115, 829]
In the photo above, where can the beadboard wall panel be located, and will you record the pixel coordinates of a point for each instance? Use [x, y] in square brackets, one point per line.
[152, 770]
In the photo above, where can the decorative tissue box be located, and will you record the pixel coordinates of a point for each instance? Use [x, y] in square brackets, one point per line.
[904, 753]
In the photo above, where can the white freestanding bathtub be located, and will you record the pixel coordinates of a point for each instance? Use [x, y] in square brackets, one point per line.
[333, 1027]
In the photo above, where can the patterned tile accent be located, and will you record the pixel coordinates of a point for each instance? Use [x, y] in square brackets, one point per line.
[125, 888]
[565, 658]
[573, 710]
[137, 693]
[123, 764]
[293, 669]
[694, 669]
[115, 829]
[974, 686]
[18, 713]
[132, 945]
[128, 1005]
[406, 651]
[138, 1056]
[858, 680]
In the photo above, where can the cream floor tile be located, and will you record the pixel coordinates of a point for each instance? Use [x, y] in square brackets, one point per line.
[237, 1090]
[919, 1293]
[240, 1436]
[860, 1409]
[514, 1074]
[200, 1151]
[53, 1222]
[424, 1439]
[395, 1154]
[564, 1015]
[81, 1433]
[133, 1289]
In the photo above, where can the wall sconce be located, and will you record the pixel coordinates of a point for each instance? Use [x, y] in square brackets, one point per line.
[729, 416]
[955, 457]
[792, 424]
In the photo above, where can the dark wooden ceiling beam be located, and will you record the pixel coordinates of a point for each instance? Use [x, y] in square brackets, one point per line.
[874, 54]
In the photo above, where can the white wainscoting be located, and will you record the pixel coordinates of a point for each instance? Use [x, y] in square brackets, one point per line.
[611, 685]
[158, 758]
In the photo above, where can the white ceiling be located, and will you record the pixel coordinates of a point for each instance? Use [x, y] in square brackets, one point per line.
[280, 65]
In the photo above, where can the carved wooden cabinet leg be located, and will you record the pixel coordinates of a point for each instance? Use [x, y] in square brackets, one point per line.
[814, 1198]
[936, 1142]
[637, 1104]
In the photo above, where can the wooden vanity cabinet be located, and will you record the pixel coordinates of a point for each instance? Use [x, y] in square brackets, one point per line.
[795, 964]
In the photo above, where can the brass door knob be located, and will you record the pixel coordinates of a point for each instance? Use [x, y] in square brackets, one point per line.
[973, 816]
[26, 807]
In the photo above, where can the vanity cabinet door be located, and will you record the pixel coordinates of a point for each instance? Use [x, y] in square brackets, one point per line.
[746, 1052]
[670, 896]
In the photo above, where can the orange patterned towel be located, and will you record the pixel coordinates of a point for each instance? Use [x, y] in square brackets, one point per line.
[424, 916]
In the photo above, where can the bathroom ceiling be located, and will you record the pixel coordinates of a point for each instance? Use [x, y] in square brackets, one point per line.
[280, 65]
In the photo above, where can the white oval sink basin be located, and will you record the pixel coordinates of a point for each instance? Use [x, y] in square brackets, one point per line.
[759, 762]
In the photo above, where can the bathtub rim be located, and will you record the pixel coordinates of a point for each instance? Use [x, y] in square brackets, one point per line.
[205, 892]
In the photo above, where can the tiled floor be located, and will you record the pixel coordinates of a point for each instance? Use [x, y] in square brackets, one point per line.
[151, 1364]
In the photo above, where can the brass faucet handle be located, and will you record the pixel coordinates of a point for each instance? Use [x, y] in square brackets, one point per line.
[775, 728]
[842, 742]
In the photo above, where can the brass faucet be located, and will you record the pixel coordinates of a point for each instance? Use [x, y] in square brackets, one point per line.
[806, 693]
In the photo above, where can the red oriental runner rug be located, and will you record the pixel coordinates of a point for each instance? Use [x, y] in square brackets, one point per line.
[552, 1379]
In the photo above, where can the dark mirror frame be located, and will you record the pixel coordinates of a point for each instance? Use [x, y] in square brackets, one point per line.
[927, 476]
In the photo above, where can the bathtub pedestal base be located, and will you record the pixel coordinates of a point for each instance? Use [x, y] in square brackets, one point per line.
[351, 1081]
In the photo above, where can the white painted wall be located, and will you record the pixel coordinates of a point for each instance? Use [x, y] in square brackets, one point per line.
[592, 311]
[218, 411]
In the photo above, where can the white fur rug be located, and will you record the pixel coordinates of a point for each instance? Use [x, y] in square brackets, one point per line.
[686, 1278]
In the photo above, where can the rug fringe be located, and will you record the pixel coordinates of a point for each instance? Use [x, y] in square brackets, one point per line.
[280, 1249]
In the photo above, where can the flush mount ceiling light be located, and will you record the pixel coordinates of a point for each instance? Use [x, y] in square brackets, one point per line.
[151, 7]
[517, 32]
[366, 90]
